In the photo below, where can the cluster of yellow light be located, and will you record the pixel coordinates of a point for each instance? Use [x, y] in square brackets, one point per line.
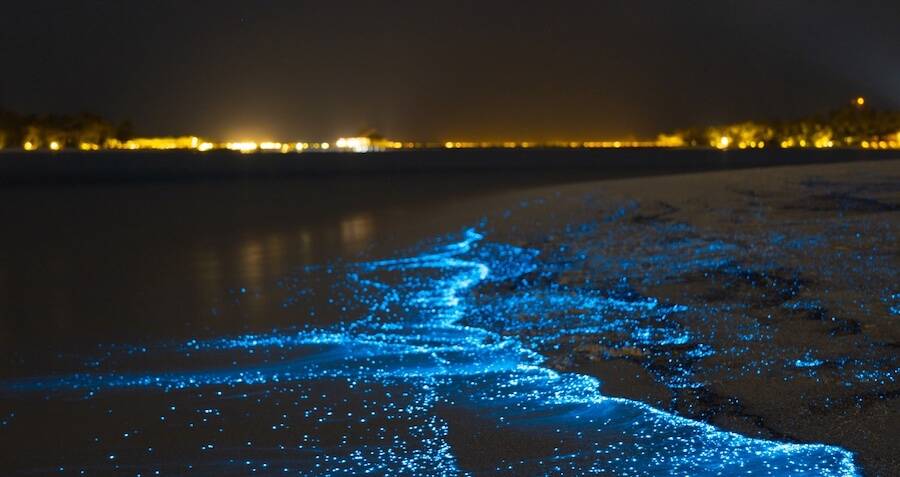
[873, 144]
[669, 142]
[819, 142]
[158, 143]
[366, 144]
[725, 142]
[603, 144]
[355, 144]
[747, 135]
[270, 146]
[740, 140]
[243, 147]
[822, 140]
[266, 146]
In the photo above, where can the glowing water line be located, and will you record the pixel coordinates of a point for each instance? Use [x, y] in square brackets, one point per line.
[412, 337]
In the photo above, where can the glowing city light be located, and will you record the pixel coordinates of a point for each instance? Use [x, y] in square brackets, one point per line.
[745, 135]
[725, 138]
[157, 143]
[243, 147]
[270, 146]
[355, 144]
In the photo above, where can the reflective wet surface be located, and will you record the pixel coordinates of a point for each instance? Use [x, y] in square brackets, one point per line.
[598, 328]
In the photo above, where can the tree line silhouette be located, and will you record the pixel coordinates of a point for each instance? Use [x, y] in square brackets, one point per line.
[849, 126]
[65, 130]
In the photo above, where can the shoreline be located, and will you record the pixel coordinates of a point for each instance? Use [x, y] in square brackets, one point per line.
[785, 276]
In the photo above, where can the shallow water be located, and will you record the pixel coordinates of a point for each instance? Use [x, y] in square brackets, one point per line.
[399, 386]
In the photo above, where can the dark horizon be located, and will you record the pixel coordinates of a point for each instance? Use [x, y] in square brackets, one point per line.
[468, 71]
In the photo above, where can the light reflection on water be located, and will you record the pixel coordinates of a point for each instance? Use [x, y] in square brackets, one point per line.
[356, 232]
[398, 386]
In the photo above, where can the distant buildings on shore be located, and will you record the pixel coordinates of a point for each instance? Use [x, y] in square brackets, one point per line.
[853, 126]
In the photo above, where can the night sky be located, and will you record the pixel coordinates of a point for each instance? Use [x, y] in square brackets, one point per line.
[466, 70]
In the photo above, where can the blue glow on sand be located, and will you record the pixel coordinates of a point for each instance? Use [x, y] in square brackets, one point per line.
[406, 379]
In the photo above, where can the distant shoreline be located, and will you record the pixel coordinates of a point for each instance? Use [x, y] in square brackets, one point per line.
[77, 167]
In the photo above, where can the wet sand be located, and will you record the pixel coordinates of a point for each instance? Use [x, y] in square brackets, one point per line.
[787, 283]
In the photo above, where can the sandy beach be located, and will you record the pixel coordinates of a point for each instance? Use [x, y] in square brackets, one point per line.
[776, 295]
